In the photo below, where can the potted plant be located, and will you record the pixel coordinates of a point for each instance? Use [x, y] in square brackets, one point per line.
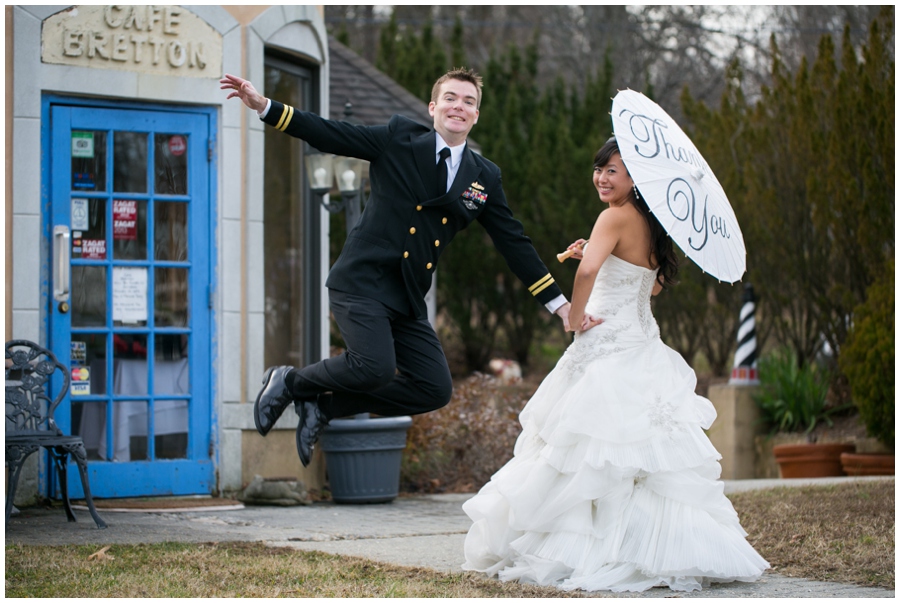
[867, 359]
[363, 456]
[793, 398]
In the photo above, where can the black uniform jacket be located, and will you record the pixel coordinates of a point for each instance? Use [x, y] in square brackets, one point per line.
[394, 248]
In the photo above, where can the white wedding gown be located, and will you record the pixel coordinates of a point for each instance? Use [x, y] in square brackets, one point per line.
[614, 485]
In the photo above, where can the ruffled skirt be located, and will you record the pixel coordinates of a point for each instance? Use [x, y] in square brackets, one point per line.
[613, 485]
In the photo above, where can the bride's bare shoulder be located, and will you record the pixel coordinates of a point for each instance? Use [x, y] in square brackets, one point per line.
[621, 215]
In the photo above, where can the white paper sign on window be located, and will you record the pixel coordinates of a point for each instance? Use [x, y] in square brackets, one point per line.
[129, 294]
[80, 214]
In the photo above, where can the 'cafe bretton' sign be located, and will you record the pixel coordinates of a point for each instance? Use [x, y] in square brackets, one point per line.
[166, 40]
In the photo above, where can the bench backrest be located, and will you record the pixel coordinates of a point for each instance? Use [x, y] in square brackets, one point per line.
[29, 405]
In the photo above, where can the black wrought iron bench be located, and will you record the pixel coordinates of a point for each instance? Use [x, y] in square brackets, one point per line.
[30, 425]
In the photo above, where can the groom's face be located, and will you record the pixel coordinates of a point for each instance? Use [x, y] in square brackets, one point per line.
[455, 111]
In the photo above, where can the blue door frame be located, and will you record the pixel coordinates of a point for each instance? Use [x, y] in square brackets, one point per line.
[190, 133]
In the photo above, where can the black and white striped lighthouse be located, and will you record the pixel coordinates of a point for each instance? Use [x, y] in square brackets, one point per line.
[745, 370]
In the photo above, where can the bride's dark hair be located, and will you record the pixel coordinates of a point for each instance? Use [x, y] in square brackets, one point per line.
[660, 242]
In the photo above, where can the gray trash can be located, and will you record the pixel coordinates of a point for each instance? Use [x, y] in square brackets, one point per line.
[362, 456]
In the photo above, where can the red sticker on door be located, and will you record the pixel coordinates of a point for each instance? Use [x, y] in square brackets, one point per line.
[93, 249]
[81, 381]
[124, 219]
[177, 145]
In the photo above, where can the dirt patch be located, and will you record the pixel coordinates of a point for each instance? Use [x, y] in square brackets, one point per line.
[844, 427]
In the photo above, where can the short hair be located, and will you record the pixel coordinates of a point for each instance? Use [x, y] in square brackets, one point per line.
[462, 74]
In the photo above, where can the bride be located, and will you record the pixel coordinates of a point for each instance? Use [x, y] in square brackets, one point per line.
[613, 484]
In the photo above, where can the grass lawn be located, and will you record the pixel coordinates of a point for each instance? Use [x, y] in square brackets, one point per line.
[838, 533]
[832, 533]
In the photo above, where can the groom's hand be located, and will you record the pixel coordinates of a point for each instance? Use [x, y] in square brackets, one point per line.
[563, 312]
[243, 90]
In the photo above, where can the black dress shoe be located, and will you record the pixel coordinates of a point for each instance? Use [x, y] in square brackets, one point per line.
[312, 422]
[273, 398]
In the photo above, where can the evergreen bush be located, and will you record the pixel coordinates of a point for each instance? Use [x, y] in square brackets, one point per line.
[867, 359]
[793, 395]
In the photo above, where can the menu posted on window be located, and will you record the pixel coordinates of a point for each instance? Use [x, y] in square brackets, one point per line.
[129, 294]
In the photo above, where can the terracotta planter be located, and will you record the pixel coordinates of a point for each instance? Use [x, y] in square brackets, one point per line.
[868, 464]
[811, 460]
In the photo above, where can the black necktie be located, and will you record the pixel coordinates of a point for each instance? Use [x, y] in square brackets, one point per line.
[442, 172]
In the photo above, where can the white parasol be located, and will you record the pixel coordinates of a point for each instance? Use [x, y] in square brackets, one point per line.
[678, 185]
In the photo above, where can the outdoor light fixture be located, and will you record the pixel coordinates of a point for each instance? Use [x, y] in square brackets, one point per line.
[348, 173]
[324, 170]
[320, 170]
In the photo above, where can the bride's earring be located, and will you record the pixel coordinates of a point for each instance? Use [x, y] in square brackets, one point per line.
[637, 195]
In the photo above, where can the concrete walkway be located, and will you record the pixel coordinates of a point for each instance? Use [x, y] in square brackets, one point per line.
[420, 531]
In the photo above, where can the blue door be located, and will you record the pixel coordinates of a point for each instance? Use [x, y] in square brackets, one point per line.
[130, 218]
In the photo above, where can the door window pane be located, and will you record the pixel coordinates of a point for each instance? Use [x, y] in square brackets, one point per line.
[168, 445]
[129, 229]
[170, 159]
[171, 368]
[130, 361]
[89, 422]
[171, 376]
[171, 292]
[170, 240]
[130, 162]
[88, 352]
[172, 445]
[130, 431]
[88, 229]
[88, 296]
[130, 294]
[88, 160]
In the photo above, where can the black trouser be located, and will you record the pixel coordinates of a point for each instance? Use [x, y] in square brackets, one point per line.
[394, 364]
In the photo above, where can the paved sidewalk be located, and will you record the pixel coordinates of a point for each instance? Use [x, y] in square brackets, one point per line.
[421, 531]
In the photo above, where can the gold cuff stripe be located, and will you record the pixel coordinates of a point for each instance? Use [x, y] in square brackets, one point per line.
[540, 282]
[284, 111]
[286, 116]
[541, 285]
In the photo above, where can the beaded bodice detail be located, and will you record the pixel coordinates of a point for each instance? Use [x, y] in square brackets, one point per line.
[621, 297]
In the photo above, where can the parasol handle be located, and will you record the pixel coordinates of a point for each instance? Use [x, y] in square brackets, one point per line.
[565, 255]
[562, 257]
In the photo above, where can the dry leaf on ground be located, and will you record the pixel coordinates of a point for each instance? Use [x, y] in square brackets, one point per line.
[100, 555]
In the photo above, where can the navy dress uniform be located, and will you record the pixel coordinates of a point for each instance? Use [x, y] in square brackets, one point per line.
[394, 364]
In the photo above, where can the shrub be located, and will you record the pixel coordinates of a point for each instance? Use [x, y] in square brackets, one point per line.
[459, 447]
[792, 397]
[867, 358]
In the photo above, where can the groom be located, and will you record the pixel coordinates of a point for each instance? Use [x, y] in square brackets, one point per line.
[427, 185]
